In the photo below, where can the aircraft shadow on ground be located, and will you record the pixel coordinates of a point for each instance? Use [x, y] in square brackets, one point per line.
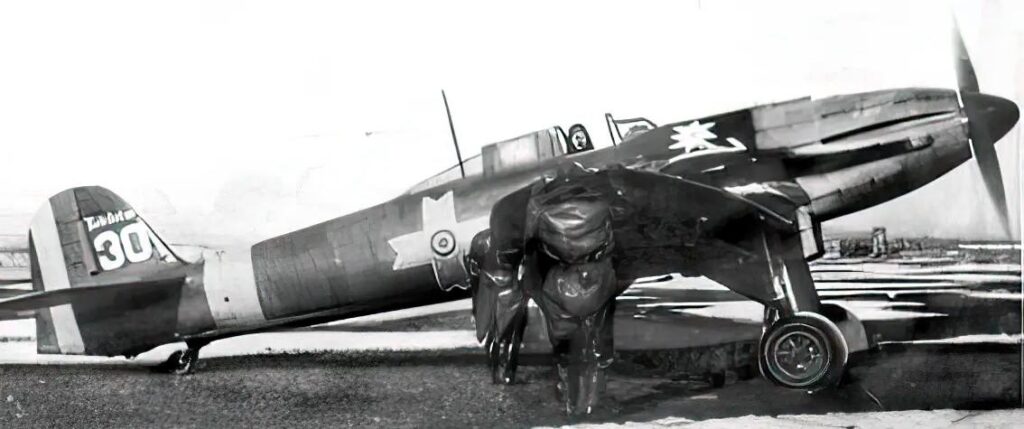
[898, 377]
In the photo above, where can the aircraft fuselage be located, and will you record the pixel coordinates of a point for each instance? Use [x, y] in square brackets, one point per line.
[847, 153]
[829, 156]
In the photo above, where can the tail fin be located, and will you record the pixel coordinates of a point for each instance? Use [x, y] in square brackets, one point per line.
[87, 246]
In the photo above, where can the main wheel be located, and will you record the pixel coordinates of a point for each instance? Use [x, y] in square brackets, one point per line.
[804, 351]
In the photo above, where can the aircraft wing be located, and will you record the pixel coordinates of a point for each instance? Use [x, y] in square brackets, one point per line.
[738, 236]
[733, 235]
[660, 218]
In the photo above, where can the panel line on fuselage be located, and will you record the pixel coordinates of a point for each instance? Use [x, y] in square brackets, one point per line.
[230, 285]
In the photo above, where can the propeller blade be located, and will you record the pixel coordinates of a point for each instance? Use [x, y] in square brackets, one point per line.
[989, 118]
[967, 81]
[992, 174]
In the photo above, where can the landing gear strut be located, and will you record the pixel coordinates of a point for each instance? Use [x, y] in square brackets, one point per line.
[182, 362]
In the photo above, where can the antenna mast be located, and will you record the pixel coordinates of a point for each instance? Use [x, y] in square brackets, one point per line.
[454, 139]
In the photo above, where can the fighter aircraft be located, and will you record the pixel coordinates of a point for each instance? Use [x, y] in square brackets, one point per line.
[737, 197]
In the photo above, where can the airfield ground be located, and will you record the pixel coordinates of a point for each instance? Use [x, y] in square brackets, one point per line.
[432, 374]
[450, 388]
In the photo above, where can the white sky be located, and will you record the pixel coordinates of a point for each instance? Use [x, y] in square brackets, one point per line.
[220, 120]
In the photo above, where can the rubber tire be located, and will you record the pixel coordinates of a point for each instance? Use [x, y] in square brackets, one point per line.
[837, 352]
[182, 362]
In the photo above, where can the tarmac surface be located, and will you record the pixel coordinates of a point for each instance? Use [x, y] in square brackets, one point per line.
[950, 333]
[451, 388]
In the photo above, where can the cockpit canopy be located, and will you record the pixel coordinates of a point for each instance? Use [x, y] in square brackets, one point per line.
[527, 149]
[532, 148]
[623, 130]
[517, 152]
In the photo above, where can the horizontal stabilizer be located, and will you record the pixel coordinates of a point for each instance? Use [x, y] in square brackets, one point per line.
[43, 299]
[14, 276]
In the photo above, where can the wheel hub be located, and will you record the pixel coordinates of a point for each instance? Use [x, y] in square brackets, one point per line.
[803, 351]
[799, 355]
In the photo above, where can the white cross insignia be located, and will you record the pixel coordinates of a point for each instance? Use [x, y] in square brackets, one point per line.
[443, 239]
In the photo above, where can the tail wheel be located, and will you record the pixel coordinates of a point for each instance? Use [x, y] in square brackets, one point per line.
[803, 351]
[181, 362]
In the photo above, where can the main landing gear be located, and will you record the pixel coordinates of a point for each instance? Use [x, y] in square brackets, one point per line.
[800, 348]
[803, 351]
[182, 362]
